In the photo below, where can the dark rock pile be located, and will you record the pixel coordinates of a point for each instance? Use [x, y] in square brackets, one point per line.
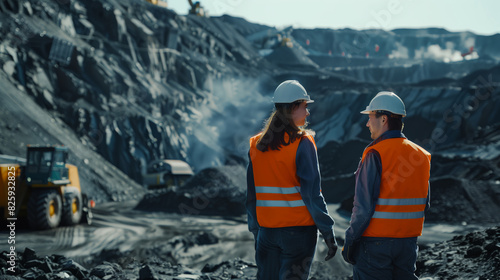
[174, 250]
[472, 256]
[464, 201]
[212, 191]
[30, 266]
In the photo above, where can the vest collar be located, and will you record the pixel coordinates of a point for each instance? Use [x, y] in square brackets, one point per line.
[388, 135]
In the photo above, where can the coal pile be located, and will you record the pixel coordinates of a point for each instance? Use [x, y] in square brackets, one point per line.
[219, 191]
[472, 256]
[470, 202]
[29, 266]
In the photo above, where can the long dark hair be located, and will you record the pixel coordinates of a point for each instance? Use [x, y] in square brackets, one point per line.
[279, 123]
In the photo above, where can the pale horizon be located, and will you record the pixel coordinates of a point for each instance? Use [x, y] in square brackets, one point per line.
[456, 16]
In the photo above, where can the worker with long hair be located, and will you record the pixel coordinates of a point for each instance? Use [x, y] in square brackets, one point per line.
[284, 201]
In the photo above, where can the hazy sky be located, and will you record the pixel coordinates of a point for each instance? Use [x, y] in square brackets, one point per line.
[478, 16]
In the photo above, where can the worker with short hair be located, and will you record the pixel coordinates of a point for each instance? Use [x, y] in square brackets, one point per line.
[284, 201]
[392, 193]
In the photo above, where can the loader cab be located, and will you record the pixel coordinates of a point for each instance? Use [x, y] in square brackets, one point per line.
[46, 165]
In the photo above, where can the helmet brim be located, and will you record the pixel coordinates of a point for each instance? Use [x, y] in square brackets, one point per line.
[307, 101]
[367, 112]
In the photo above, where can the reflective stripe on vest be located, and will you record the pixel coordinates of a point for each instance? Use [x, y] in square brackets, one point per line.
[277, 190]
[280, 203]
[400, 215]
[399, 211]
[419, 202]
[402, 201]
[277, 187]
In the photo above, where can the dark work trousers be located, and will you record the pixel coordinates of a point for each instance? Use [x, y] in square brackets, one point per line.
[385, 258]
[285, 253]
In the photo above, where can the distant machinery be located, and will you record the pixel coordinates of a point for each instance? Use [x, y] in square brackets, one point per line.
[167, 173]
[43, 188]
[196, 8]
[161, 3]
[272, 38]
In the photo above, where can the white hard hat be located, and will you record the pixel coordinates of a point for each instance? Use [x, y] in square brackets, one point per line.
[386, 101]
[290, 91]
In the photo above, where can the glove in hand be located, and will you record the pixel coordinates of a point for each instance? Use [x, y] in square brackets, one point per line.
[348, 253]
[332, 248]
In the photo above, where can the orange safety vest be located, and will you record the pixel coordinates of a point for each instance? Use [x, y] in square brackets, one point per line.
[399, 212]
[277, 186]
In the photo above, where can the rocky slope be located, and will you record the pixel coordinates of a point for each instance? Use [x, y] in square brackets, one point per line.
[399, 56]
[134, 82]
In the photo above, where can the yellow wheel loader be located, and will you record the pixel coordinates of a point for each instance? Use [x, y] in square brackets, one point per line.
[46, 190]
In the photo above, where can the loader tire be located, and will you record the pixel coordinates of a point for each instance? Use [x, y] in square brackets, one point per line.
[72, 209]
[44, 209]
